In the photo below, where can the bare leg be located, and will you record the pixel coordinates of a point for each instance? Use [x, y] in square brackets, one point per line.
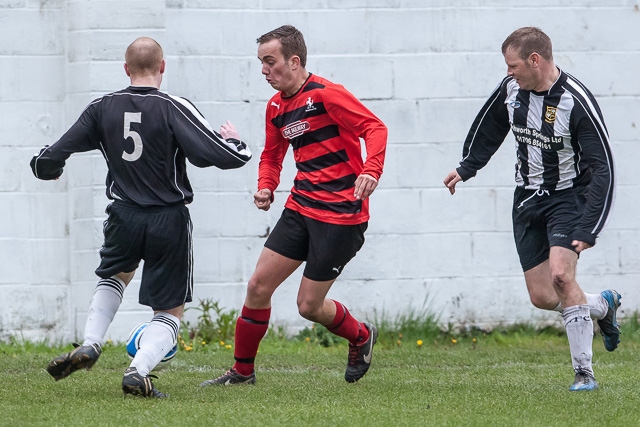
[312, 302]
[272, 269]
[540, 286]
[563, 264]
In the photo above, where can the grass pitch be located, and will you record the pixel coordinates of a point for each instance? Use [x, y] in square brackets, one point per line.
[518, 378]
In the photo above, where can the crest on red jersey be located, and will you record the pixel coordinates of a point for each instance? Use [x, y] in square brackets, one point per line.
[310, 106]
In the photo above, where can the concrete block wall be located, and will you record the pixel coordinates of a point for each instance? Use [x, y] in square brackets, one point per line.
[425, 68]
[34, 289]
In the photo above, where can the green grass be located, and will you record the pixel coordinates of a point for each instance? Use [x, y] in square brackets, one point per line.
[512, 377]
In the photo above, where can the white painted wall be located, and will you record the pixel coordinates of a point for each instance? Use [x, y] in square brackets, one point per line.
[425, 67]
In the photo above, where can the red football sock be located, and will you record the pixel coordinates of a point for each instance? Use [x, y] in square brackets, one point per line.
[346, 326]
[250, 329]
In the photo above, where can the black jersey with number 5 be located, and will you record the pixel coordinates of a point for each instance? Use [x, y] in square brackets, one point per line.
[145, 136]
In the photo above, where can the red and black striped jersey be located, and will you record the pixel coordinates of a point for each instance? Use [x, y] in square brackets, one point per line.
[323, 122]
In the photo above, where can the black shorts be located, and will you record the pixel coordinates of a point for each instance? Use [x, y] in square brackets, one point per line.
[162, 238]
[326, 248]
[542, 219]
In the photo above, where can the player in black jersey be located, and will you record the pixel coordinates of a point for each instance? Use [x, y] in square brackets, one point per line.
[565, 186]
[146, 136]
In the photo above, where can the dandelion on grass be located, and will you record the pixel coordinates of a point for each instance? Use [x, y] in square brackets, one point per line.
[419, 343]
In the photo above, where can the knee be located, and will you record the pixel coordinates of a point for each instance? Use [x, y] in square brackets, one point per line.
[536, 300]
[257, 290]
[308, 311]
[544, 302]
[561, 279]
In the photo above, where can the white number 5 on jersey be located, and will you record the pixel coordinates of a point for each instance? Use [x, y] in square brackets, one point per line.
[128, 133]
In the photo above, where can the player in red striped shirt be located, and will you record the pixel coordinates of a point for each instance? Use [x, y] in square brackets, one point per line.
[326, 214]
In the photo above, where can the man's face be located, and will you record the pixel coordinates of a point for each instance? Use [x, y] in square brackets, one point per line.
[521, 70]
[277, 71]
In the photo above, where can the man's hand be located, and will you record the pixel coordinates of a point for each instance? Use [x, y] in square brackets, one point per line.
[262, 199]
[228, 130]
[580, 245]
[451, 180]
[365, 184]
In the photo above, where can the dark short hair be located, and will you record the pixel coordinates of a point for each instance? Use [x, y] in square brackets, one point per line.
[527, 40]
[291, 40]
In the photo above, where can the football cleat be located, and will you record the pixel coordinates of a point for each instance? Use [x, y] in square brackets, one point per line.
[231, 377]
[584, 382]
[136, 384]
[609, 327]
[82, 357]
[360, 356]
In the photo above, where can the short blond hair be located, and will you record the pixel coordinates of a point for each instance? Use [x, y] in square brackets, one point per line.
[144, 56]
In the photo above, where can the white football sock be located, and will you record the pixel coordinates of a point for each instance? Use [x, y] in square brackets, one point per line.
[156, 341]
[579, 327]
[597, 305]
[104, 305]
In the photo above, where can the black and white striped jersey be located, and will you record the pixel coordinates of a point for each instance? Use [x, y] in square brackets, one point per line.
[561, 142]
[145, 136]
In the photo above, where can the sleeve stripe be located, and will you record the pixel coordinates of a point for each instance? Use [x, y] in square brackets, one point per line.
[193, 110]
[581, 96]
[495, 95]
[242, 154]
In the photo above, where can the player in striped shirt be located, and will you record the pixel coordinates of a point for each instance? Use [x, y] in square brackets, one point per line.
[565, 186]
[326, 214]
[145, 136]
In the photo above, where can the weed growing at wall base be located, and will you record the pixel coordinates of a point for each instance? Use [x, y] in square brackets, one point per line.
[214, 327]
[407, 327]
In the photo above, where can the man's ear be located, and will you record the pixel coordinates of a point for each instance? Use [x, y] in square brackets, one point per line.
[295, 62]
[534, 59]
[126, 69]
[162, 65]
